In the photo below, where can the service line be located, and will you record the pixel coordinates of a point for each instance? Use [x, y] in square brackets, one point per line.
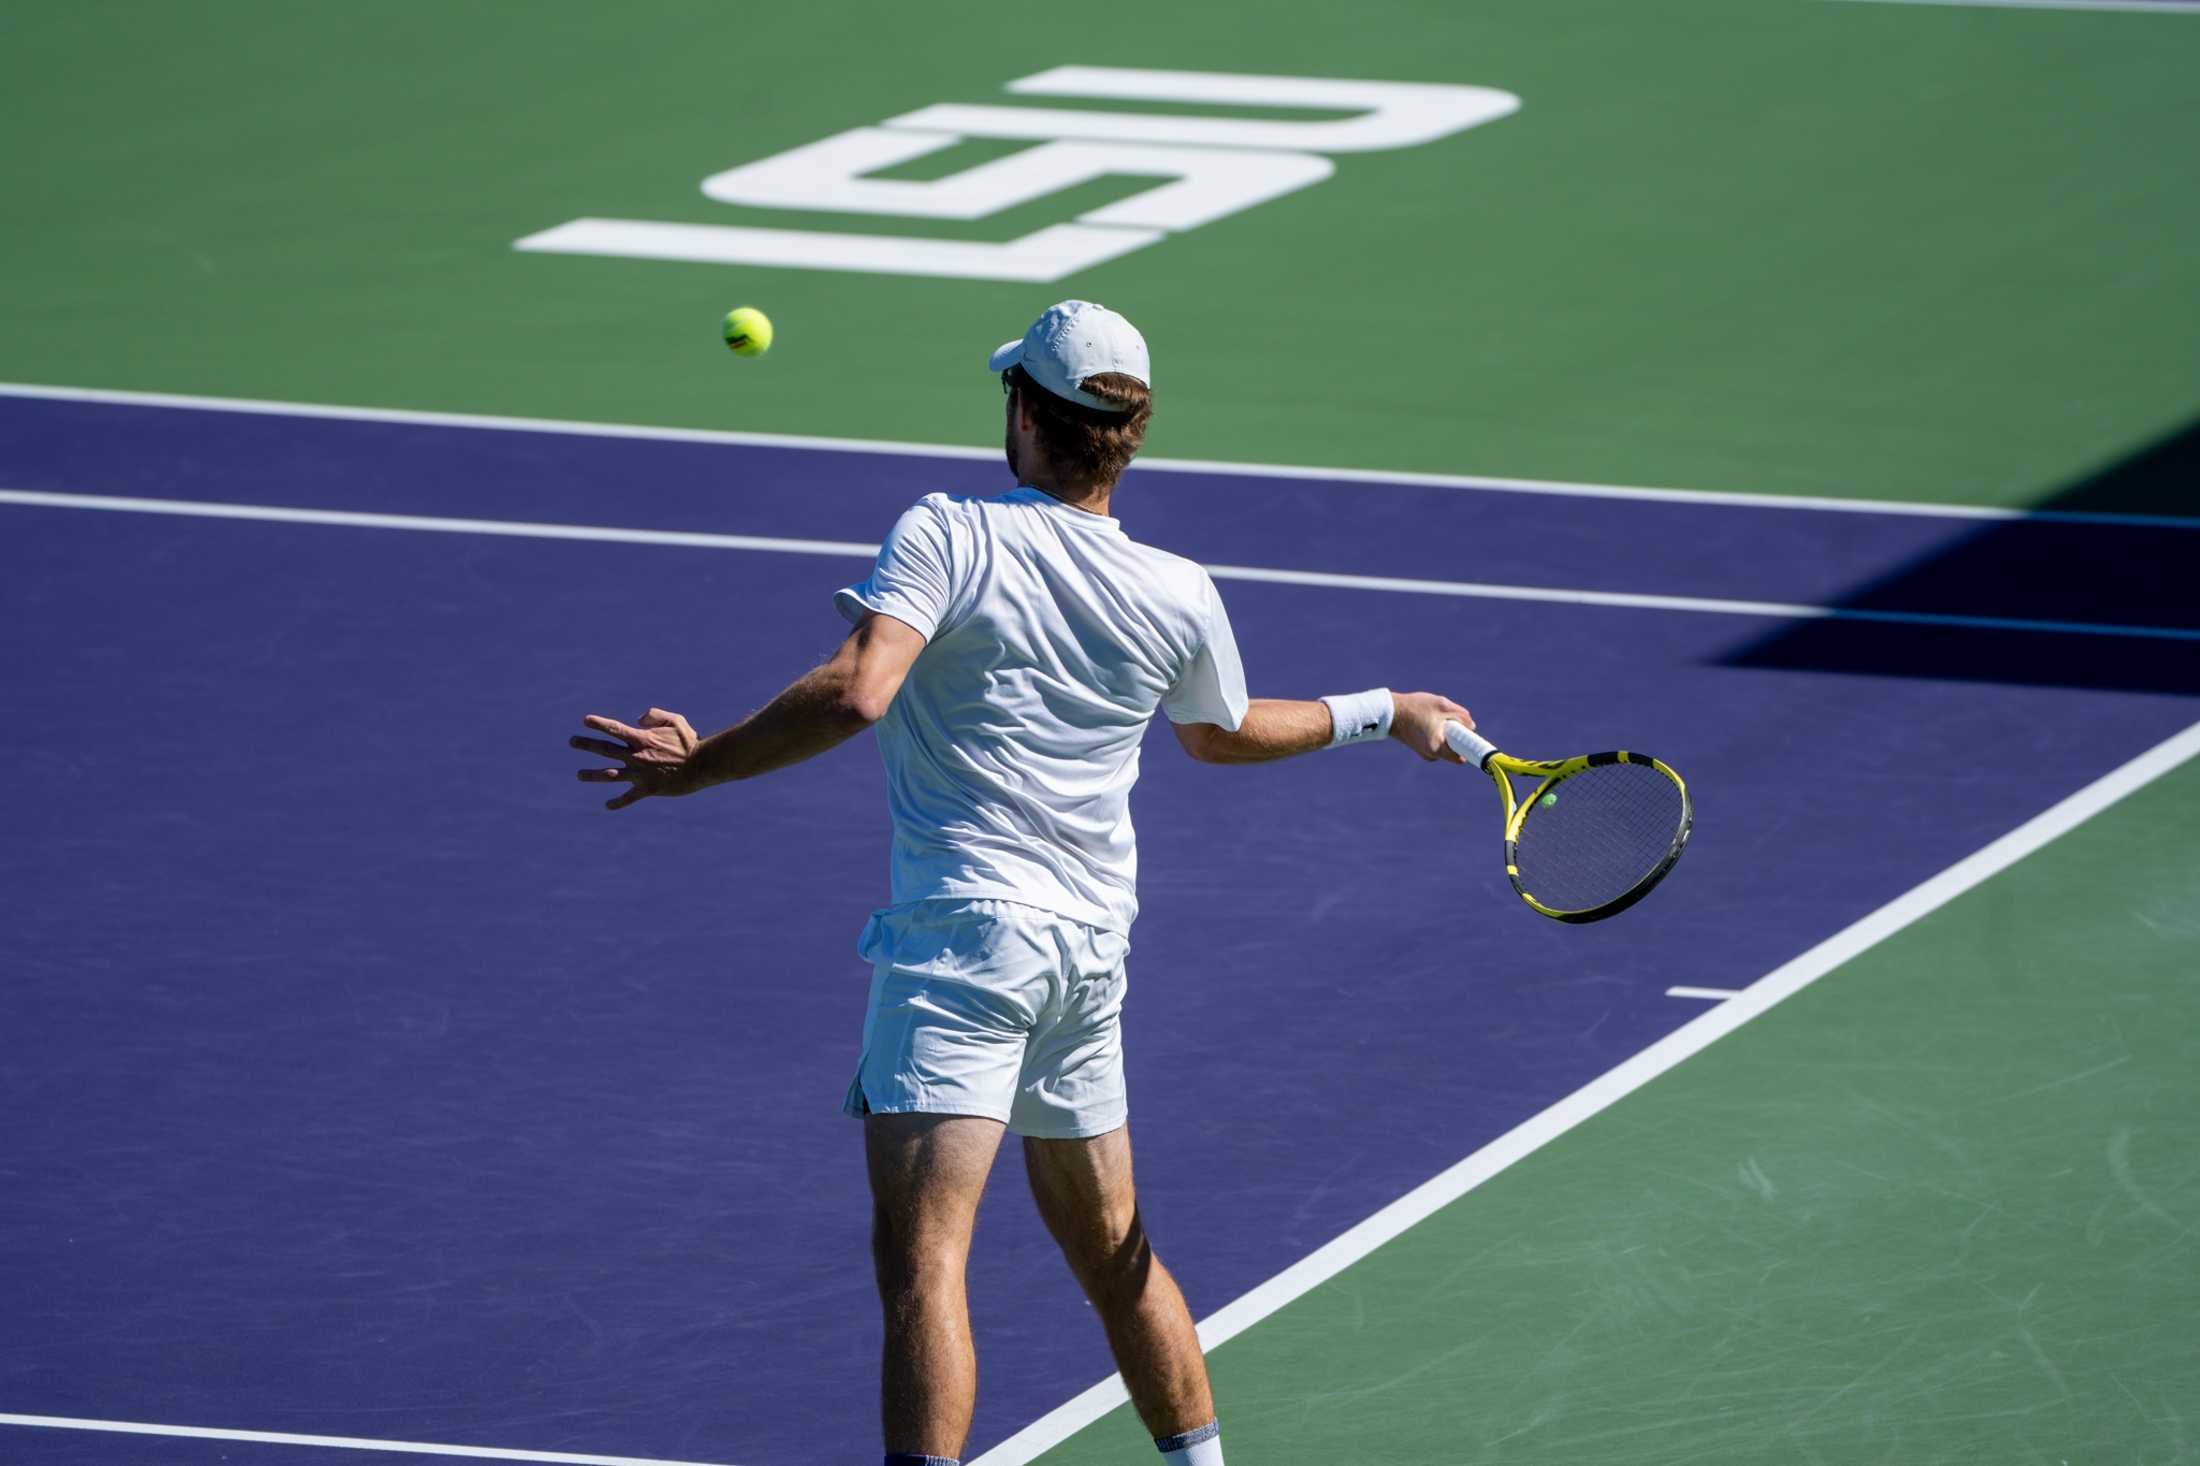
[697, 539]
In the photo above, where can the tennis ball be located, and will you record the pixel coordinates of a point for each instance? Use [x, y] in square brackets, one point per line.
[1549, 800]
[748, 331]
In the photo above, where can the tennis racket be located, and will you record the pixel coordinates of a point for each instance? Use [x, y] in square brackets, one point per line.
[1594, 834]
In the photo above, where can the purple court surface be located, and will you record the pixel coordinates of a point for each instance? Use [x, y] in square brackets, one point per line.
[363, 1077]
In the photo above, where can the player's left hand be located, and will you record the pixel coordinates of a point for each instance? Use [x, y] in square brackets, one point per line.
[658, 757]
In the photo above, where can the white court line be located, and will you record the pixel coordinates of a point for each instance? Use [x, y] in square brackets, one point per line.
[1631, 600]
[336, 1442]
[1716, 995]
[1164, 465]
[1525, 1139]
[1476, 590]
[2137, 7]
[438, 524]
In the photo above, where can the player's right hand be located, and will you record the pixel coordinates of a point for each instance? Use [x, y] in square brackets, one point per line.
[1418, 722]
[658, 757]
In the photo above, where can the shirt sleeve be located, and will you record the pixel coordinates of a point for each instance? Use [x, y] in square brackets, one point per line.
[913, 579]
[1211, 687]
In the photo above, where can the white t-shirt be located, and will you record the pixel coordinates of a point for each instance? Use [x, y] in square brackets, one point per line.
[1051, 637]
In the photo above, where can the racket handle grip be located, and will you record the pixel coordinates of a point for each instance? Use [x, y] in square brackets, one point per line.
[1468, 744]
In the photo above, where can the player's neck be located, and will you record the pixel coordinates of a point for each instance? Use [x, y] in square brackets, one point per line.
[1091, 499]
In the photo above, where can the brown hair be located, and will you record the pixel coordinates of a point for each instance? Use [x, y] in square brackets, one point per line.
[1085, 445]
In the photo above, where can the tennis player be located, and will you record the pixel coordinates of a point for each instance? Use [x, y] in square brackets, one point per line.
[1011, 652]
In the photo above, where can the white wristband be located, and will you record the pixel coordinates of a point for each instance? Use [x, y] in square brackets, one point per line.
[1359, 717]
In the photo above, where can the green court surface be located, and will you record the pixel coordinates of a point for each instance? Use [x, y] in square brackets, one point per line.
[1776, 246]
[1938, 1206]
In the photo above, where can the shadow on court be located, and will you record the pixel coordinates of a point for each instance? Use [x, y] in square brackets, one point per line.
[2161, 478]
[2108, 574]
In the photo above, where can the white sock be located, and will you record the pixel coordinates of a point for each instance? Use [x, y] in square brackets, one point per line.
[1201, 1447]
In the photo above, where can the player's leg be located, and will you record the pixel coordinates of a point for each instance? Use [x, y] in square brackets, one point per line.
[954, 994]
[1072, 1111]
[927, 1175]
[1086, 1196]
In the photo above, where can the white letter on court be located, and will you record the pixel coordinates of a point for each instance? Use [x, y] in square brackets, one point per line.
[1040, 256]
[1210, 182]
[1399, 114]
[1215, 166]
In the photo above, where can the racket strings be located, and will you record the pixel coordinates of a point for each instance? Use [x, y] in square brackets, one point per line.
[1597, 835]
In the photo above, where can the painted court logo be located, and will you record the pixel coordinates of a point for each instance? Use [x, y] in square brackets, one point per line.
[1210, 167]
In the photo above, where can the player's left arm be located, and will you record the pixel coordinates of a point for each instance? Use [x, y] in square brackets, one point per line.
[1276, 728]
[826, 706]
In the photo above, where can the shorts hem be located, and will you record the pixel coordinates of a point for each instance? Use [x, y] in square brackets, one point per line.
[969, 1111]
[1082, 1131]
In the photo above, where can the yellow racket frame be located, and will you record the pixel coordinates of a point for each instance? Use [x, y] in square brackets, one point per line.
[1549, 774]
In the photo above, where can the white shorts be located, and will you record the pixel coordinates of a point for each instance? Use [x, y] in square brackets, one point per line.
[996, 1009]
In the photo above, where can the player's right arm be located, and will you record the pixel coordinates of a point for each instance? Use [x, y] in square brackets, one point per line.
[1276, 728]
[1218, 724]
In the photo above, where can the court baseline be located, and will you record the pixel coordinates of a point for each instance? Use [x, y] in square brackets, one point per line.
[1557, 488]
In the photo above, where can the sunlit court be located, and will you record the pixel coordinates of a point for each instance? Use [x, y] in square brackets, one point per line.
[1803, 394]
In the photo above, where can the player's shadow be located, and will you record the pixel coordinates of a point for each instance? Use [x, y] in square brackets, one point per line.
[2130, 573]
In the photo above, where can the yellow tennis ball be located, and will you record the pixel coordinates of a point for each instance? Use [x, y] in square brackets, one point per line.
[748, 331]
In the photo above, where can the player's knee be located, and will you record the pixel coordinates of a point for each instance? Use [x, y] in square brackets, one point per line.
[908, 1258]
[1113, 1266]
[893, 1250]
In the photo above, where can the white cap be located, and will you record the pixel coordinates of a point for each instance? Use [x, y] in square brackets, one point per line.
[1072, 341]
